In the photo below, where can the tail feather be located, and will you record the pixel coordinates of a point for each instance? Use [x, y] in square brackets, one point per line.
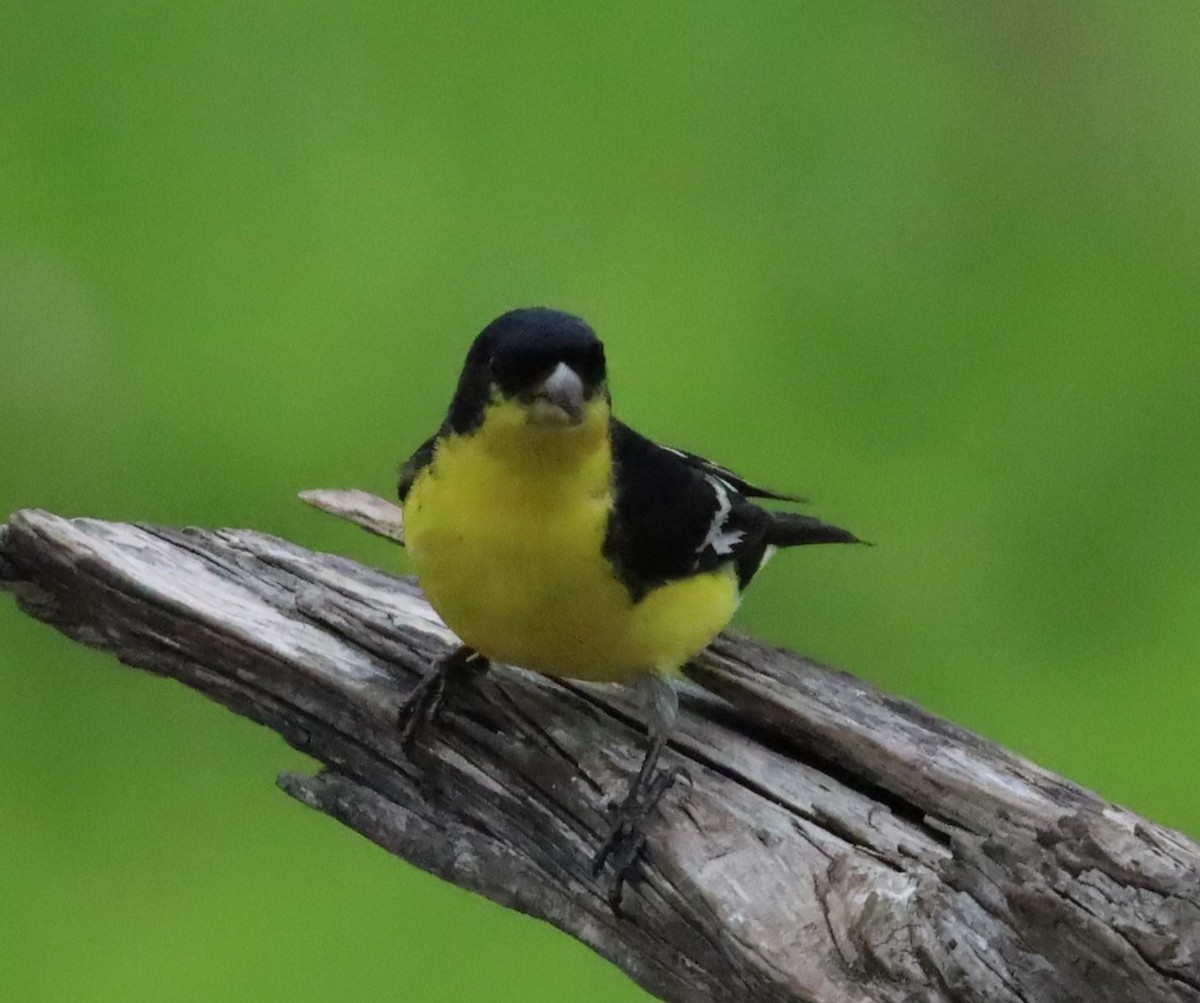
[791, 530]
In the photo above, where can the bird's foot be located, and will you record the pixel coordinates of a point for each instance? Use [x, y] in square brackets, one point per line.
[626, 838]
[426, 700]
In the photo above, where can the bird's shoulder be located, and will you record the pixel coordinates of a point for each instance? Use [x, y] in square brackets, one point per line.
[411, 470]
[642, 463]
[677, 514]
[734, 481]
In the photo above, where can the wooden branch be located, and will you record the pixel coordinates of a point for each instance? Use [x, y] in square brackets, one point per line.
[835, 844]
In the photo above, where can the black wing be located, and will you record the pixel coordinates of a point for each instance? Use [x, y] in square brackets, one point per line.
[414, 465]
[673, 518]
[675, 515]
[735, 481]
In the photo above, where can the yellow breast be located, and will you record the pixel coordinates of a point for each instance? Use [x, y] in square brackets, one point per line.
[506, 529]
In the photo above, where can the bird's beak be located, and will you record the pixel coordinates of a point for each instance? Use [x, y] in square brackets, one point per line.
[560, 396]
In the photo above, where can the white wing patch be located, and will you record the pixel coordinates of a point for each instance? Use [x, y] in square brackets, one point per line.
[770, 551]
[719, 539]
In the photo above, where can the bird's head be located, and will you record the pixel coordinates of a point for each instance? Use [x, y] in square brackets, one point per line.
[532, 367]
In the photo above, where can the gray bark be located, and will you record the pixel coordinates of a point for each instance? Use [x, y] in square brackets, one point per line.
[834, 844]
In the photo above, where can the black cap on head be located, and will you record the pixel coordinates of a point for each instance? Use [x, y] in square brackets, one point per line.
[517, 352]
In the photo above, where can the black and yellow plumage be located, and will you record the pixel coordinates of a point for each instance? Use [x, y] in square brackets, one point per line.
[548, 534]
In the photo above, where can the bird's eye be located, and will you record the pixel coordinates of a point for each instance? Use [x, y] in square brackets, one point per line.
[594, 364]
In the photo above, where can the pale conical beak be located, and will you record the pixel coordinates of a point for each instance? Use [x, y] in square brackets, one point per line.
[564, 389]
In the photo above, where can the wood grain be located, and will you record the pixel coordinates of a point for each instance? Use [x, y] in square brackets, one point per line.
[834, 844]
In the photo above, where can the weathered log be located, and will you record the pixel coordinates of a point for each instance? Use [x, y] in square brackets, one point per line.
[834, 844]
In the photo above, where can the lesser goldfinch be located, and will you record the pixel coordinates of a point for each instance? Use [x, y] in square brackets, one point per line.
[547, 534]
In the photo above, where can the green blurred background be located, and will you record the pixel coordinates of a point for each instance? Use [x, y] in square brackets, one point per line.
[933, 264]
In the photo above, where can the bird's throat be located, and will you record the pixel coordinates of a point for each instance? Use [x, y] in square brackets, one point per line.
[538, 451]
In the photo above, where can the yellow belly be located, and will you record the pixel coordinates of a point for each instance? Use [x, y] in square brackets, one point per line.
[510, 557]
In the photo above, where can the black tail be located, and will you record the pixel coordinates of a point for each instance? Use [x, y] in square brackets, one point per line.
[789, 530]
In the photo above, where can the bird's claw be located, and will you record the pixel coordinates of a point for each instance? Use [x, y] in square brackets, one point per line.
[626, 837]
[426, 700]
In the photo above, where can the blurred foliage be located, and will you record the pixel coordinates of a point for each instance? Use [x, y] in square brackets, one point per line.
[932, 264]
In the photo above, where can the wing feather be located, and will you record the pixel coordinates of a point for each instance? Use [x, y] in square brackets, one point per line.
[735, 481]
[414, 465]
[675, 516]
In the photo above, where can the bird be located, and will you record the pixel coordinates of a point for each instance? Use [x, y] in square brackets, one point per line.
[548, 534]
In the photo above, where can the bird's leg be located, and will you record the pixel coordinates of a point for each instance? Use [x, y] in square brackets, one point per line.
[426, 699]
[627, 838]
